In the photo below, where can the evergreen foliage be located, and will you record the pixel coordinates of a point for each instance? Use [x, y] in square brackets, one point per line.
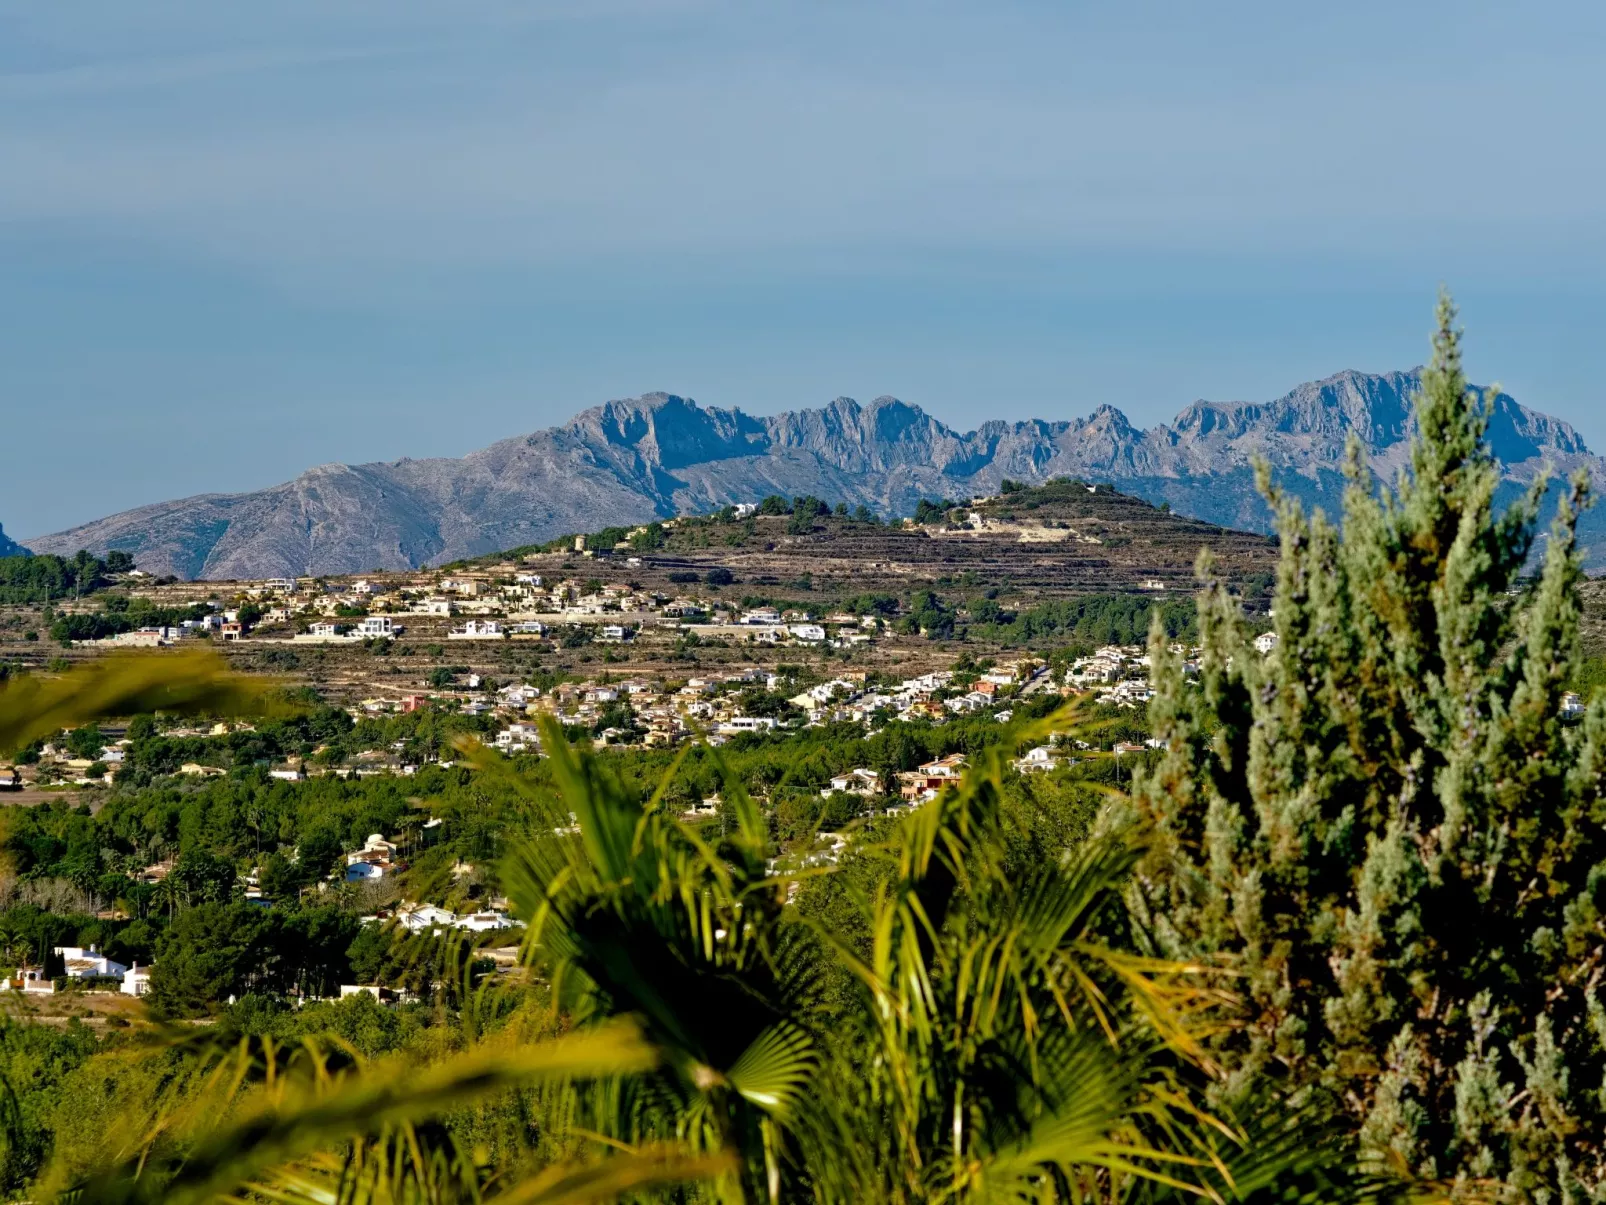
[1087, 619]
[28, 578]
[1386, 826]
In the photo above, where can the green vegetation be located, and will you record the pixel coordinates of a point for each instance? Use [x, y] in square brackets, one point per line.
[1343, 941]
[39, 579]
[1390, 831]
[710, 1027]
[123, 613]
[1091, 620]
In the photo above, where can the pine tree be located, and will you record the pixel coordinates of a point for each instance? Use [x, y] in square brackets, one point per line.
[1386, 827]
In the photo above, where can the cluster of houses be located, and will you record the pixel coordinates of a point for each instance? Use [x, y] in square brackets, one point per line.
[428, 918]
[505, 603]
[711, 706]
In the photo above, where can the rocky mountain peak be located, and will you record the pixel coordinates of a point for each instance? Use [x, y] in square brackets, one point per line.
[1108, 419]
[633, 459]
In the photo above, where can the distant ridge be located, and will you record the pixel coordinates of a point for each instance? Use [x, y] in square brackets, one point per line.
[657, 455]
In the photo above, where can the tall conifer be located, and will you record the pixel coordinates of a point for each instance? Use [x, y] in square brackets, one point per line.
[1387, 827]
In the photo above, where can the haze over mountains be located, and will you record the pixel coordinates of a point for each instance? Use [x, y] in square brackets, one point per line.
[659, 455]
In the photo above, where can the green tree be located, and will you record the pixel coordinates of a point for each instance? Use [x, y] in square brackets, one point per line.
[279, 878]
[1388, 828]
[319, 852]
[209, 953]
[87, 741]
[930, 616]
[978, 1060]
[200, 877]
[649, 538]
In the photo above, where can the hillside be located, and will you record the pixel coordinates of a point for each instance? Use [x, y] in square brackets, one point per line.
[661, 455]
[1060, 539]
[9, 547]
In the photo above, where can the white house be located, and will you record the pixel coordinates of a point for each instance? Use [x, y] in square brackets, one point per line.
[82, 963]
[748, 723]
[1572, 705]
[374, 845]
[136, 981]
[379, 625]
[1039, 758]
[516, 738]
[426, 917]
[855, 782]
[945, 767]
[1265, 642]
[518, 695]
[372, 861]
[484, 922]
[808, 633]
[477, 629]
[762, 615]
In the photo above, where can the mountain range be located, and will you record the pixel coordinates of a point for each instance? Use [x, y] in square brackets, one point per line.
[658, 455]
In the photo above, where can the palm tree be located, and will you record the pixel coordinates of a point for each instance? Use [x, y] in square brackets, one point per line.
[1000, 1045]
[165, 895]
[639, 916]
[1000, 1049]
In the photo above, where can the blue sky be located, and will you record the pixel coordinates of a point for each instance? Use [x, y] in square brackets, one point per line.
[240, 240]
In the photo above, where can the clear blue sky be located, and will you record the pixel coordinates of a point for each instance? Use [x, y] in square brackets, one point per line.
[237, 240]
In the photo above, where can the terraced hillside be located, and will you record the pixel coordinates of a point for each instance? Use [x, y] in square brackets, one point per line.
[1062, 538]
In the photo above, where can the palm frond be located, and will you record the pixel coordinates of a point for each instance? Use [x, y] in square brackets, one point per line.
[637, 913]
[129, 683]
[775, 1068]
[288, 1117]
[605, 1179]
[1285, 1157]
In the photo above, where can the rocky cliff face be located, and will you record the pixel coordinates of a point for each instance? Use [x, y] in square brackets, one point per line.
[658, 455]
